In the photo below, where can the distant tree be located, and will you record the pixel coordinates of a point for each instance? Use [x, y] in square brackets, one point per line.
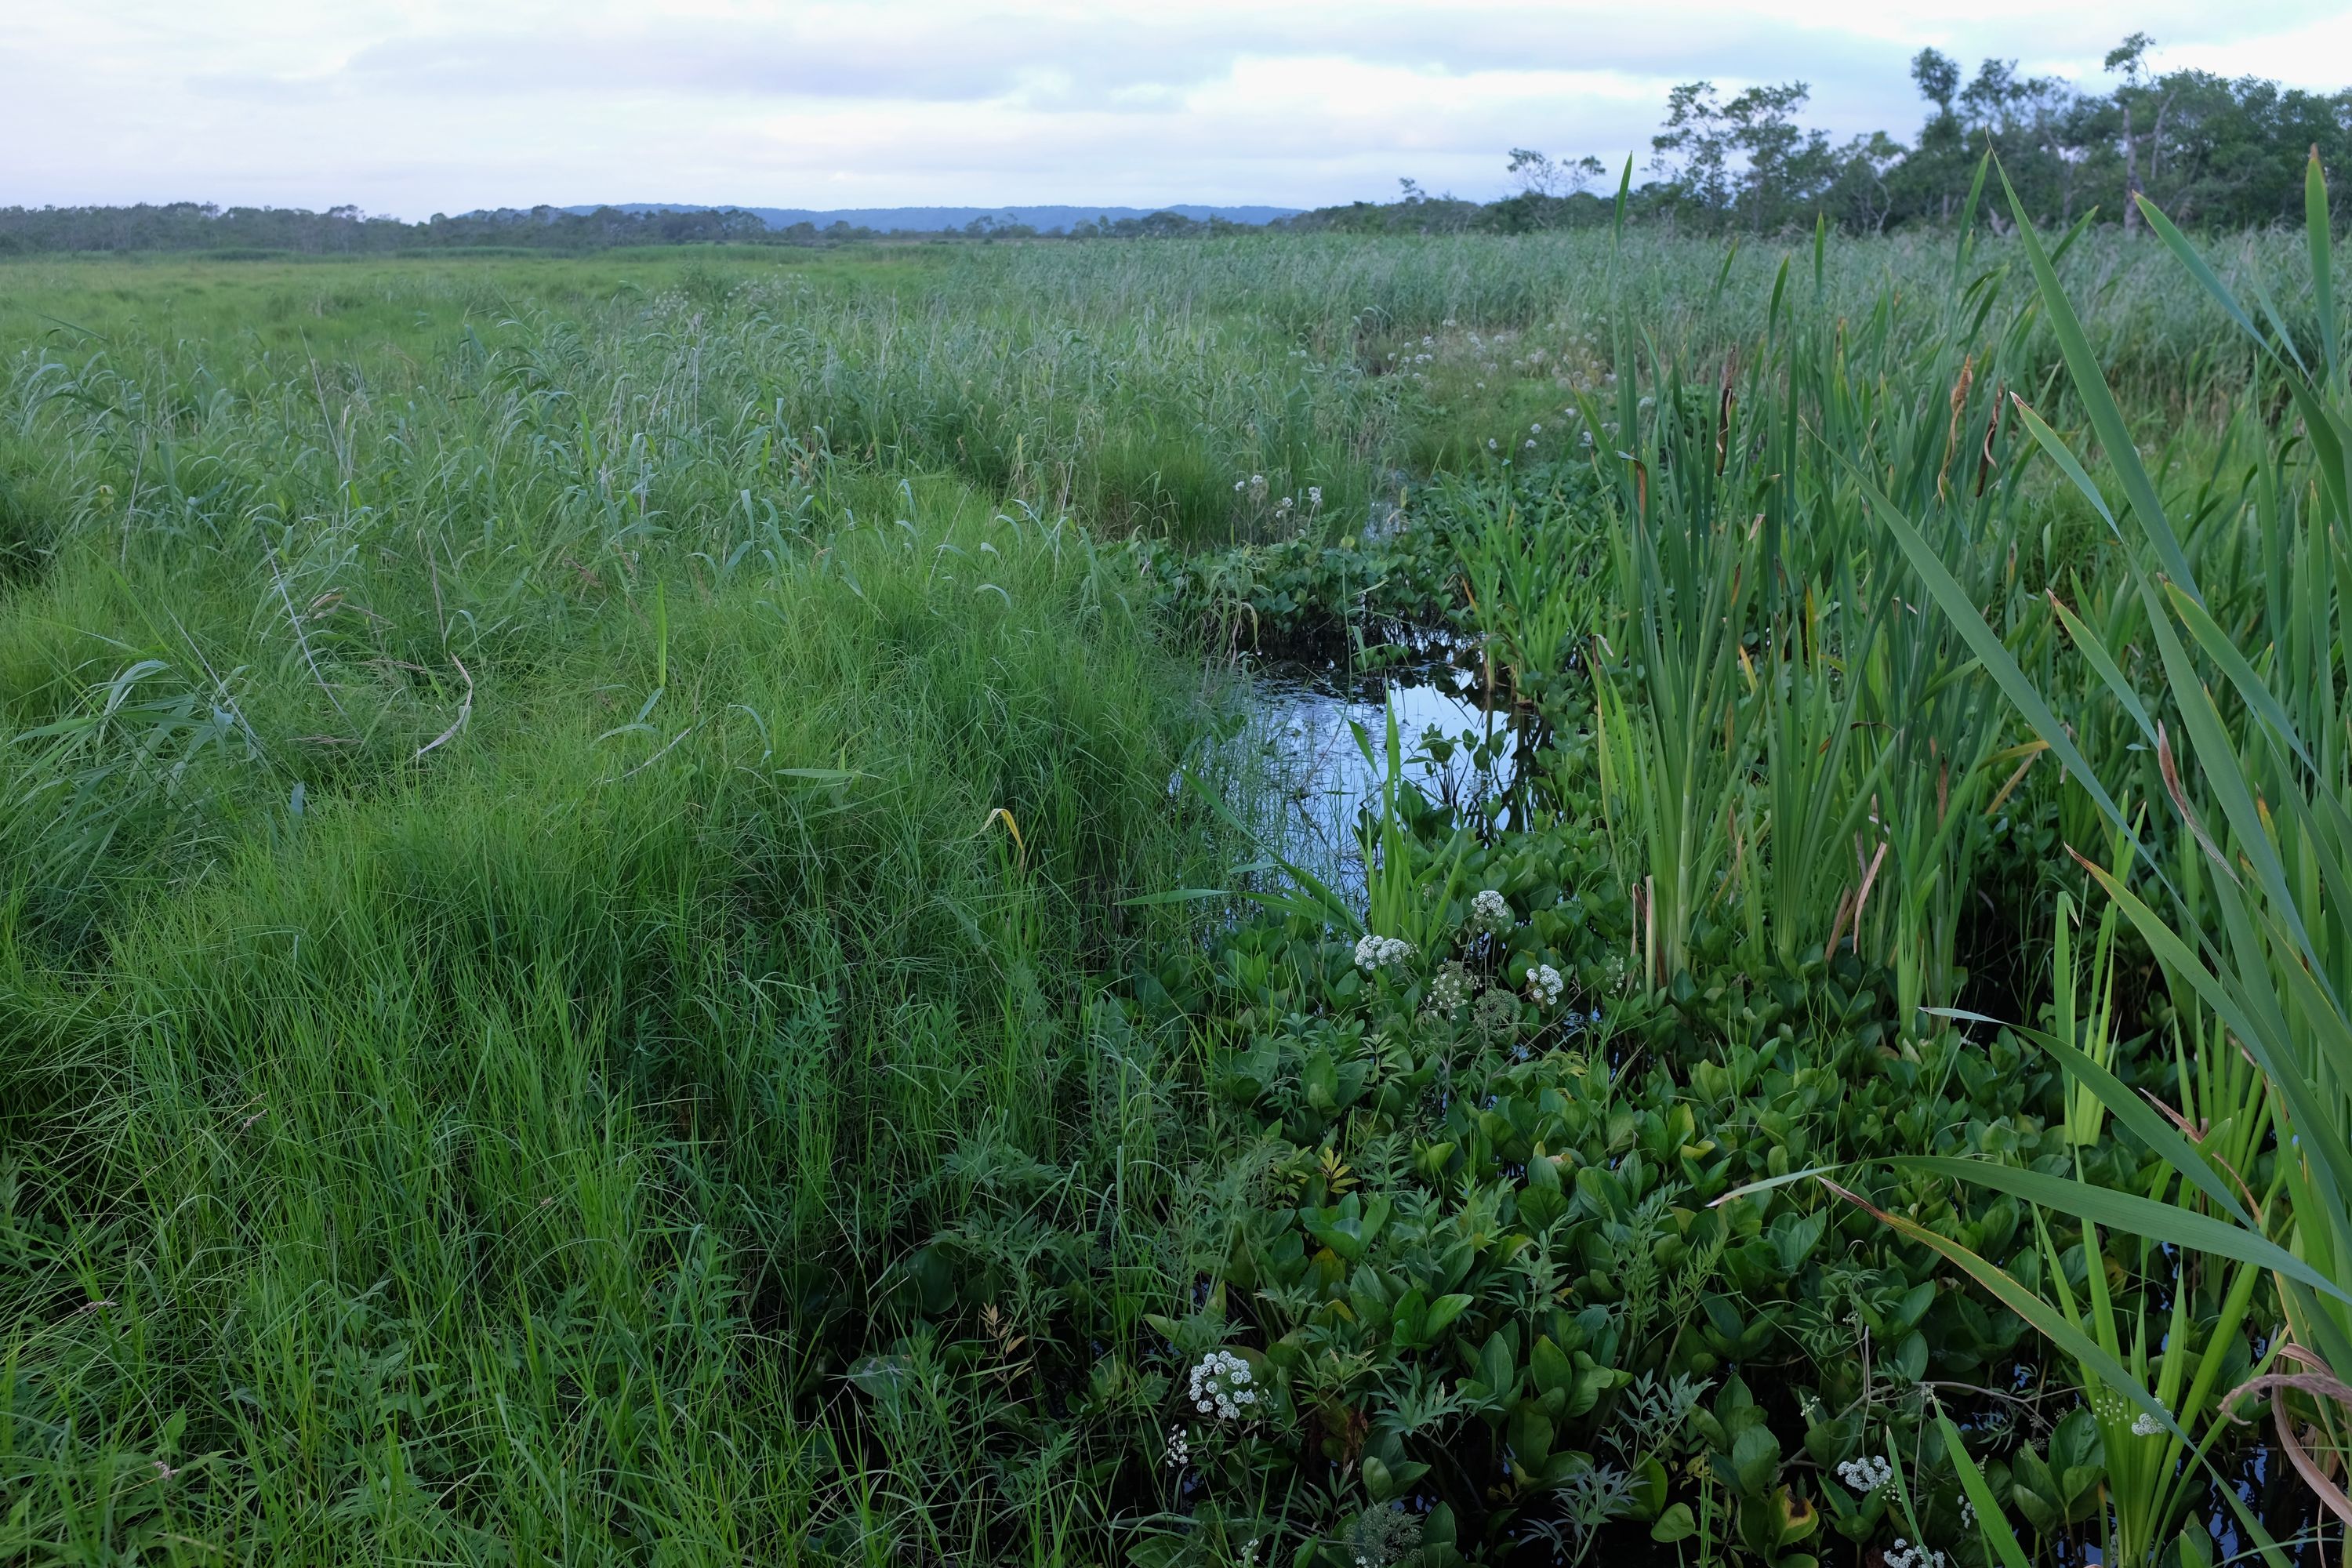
[1546, 189]
[1860, 198]
[1537, 175]
[1787, 166]
[2130, 59]
[1938, 76]
[1745, 161]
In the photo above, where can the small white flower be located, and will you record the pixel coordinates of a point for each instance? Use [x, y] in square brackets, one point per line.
[1906, 1555]
[1531, 446]
[1180, 1449]
[1450, 990]
[2145, 1425]
[1867, 1474]
[1239, 485]
[1492, 445]
[1968, 1513]
[1315, 495]
[1221, 1385]
[1535, 429]
[1490, 912]
[1545, 985]
[1374, 952]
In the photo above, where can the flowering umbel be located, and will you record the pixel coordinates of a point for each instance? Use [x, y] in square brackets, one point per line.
[1867, 1474]
[1490, 913]
[1221, 1386]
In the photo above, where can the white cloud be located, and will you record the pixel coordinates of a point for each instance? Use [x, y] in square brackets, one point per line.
[412, 106]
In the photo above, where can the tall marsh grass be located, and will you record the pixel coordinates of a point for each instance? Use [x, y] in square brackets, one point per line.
[515, 928]
[591, 844]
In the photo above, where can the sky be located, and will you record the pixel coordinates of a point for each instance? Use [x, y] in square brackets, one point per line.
[412, 107]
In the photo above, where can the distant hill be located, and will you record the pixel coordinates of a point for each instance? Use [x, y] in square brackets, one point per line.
[933, 220]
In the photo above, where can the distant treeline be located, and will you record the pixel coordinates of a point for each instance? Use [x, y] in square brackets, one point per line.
[2211, 152]
[198, 225]
[347, 231]
[2214, 153]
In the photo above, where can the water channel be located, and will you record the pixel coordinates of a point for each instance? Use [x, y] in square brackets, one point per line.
[1304, 730]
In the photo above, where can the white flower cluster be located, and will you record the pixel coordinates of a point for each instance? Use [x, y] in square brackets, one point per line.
[1254, 484]
[1968, 1513]
[1490, 912]
[1867, 1474]
[1450, 990]
[1180, 1449]
[2145, 1425]
[1221, 1386]
[1545, 985]
[1315, 495]
[1906, 1555]
[1376, 953]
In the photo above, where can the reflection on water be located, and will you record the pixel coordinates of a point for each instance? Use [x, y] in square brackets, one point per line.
[1305, 714]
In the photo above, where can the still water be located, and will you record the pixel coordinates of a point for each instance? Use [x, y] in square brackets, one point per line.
[1305, 729]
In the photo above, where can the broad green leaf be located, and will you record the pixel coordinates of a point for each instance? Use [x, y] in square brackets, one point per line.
[1998, 662]
[1991, 1523]
[2127, 1211]
[2142, 1118]
[2086, 639]
[2090, 385]
[2251, 687]
[2053, 1325]
[2319, 226]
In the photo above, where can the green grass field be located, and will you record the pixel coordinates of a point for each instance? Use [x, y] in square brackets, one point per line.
[604, 957]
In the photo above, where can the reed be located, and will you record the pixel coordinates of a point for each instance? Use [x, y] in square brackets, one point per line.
[632, 930]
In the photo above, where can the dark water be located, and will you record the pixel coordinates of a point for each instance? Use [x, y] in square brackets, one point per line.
[1446, 718]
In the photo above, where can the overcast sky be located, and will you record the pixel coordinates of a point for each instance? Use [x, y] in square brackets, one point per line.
[411, 107]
